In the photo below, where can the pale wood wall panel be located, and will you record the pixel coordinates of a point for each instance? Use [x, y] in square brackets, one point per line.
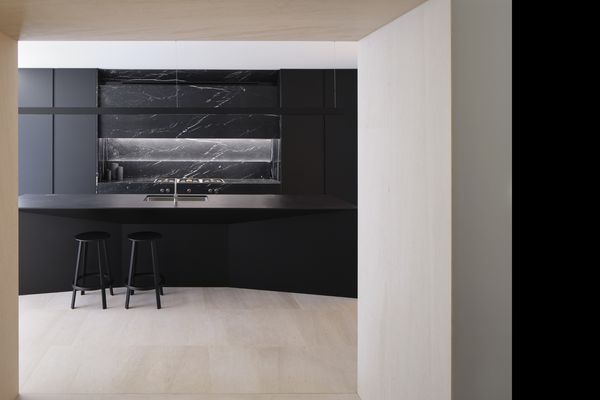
[197, 19]
[9, 349]
[404, 198]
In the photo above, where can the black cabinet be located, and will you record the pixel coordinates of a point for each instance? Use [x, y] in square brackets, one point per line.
[318, 127]
[341, 138]
[75, 141]
[341, 90]
[35, 87]
[302, 154]
[341, 149]
[301, 88]
[75, 87]
[319, 146]
[35, 154]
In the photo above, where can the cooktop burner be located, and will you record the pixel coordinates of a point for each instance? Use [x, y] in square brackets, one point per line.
[212, 180]
[190, 180]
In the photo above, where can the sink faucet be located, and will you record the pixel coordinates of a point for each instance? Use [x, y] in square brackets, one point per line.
[175, 193]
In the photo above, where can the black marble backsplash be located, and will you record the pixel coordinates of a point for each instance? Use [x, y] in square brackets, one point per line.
[206, 150]
[190, 126]
[151, 170]
[200, 95]
[243, 147]
[262, 77]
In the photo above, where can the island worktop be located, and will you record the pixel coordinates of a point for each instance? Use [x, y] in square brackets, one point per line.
[226, 208]
[216, 201]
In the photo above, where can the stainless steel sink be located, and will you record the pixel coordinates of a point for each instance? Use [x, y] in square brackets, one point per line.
[181, 197]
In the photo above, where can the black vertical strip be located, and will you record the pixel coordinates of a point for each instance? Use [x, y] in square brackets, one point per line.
[53, 86]
[324, 134]
[52, 152]
[279, 87]
[53, 125]
[97, 89]
[96, 150]
[100, 168]
[281, 151]
[281, 135]
[176, 81]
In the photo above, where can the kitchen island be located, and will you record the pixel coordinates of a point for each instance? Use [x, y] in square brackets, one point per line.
[299, 243]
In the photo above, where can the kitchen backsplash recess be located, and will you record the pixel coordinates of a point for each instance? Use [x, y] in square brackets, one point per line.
[150, 146]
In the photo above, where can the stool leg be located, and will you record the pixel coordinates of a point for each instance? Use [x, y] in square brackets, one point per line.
[84, 264]
[76, 276]
[157, 287]
[107, 264]
[130, 277]
[100, 262]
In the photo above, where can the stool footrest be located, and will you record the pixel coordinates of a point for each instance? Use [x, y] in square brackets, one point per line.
[86, 288]
[146, 287]
[89, 274]
[140, 288]
[107, 280]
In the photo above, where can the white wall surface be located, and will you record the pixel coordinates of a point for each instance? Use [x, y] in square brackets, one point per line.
[190, 55]
[482, 199]
[404, 216]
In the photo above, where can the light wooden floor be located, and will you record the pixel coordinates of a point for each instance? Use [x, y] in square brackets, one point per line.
[205, 344]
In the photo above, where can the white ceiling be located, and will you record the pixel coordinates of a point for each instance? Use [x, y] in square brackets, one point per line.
[340, 20]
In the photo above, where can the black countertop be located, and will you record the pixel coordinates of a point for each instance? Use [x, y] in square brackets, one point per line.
[227, 208]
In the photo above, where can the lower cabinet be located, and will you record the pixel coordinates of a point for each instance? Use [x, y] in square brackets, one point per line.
[75, 154]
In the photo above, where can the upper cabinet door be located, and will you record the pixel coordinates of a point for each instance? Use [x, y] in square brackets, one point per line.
[301, 88]
[35, 87]
[341, 89]
[75, 153]
[302, 154]
[75, 87]
[35, 154]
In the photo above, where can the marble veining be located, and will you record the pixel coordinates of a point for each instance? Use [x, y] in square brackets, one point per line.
[136, 76]
[151, 170]
[190, 126]
[183, 95]
[227, 96]
[198, 150]
[188, 76]
[139, 95]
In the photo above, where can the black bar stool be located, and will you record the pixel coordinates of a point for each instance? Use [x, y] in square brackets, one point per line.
[158, 281]
[83, 240]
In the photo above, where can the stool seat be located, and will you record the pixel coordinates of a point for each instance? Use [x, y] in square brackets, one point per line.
[144, 236]
[91, 236]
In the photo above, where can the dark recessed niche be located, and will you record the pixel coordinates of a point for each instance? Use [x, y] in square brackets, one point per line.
[239, 148]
